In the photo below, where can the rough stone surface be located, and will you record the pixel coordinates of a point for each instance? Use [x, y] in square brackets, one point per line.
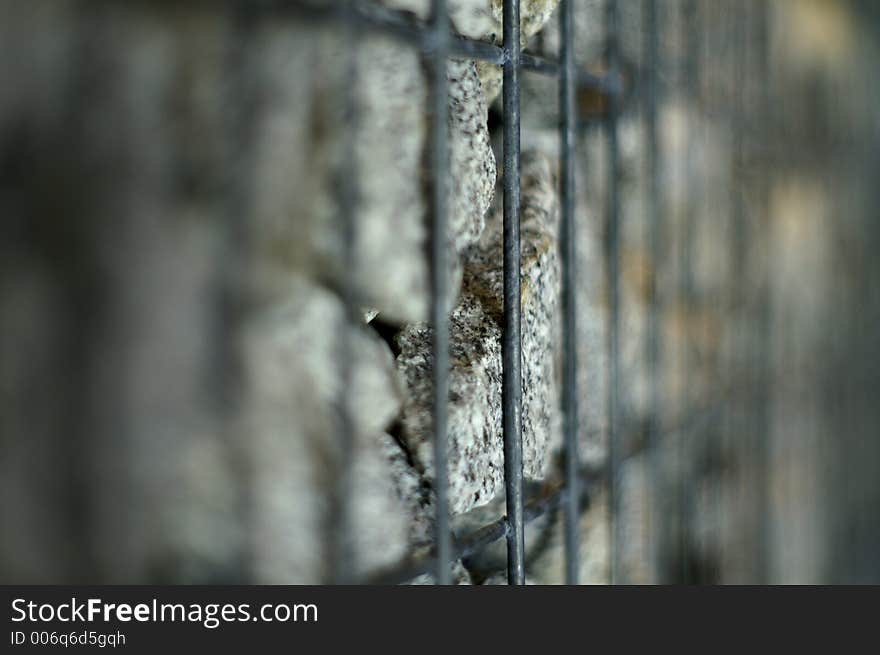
[472, 161]
[293, 378]
[185, 329]
[482, 20]
[533, 15]
[310, 145]
[475, 438]
[460, 576]
[171, 267]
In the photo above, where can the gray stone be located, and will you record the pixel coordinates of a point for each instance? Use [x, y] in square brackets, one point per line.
[533, 16]
[288, 435]
[203, 429]
[482, 20]
[257, 490]
[460, 576]
[309, 145]
[475, 438]
[472, 161]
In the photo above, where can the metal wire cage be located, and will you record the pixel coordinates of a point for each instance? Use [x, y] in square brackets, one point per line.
[738, 412]
[437, 42]
[715, 162]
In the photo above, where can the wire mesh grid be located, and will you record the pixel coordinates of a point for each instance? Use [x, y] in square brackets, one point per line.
[438, 42]
[716, 349]
[701, 424]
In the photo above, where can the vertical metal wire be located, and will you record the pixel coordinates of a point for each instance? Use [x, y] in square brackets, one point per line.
[237, 270]
[439, 291]
[650, 65]
[511, 400]
[569, 285]
[612, 264]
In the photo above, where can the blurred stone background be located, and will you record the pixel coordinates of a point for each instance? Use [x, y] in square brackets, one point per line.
[184, 326]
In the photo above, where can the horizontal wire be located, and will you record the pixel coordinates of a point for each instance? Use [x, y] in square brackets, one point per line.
[477, 540]
[536, 506]
[407, 28]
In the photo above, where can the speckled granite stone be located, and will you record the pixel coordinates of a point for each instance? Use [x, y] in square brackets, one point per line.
[307, 145]
[475, 437]
[288, 437]
[533, 16]
[482, 20]
[472, 162]
[460, 576]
